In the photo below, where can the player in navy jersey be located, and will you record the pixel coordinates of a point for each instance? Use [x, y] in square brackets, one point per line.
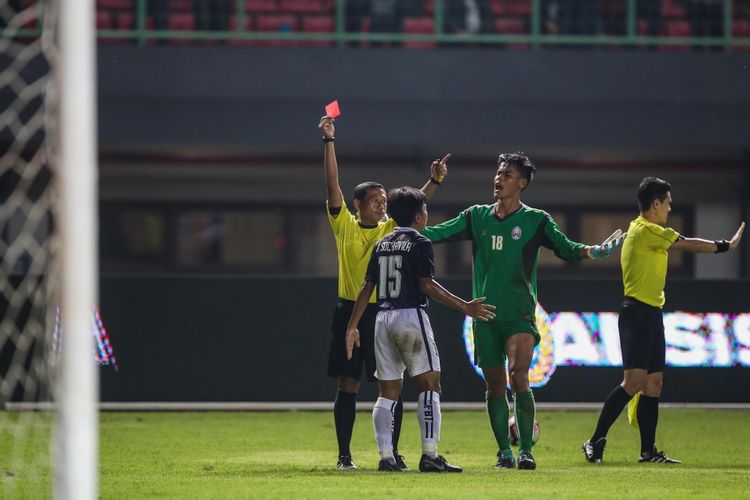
[401, 266]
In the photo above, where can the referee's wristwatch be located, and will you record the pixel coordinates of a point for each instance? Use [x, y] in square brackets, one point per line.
[328, 139]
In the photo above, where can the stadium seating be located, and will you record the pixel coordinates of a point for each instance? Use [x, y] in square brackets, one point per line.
[317, 24]
[278, 23]
[260, 6]
[181, 21]
[248, 27]
[105, 5]
[741, 29]
[318, 16]
[419, 25]
[103, 20]
[511, 7]
[180, 6]
[678, 29]
[512, 26]
[673, 9]
[305, 7]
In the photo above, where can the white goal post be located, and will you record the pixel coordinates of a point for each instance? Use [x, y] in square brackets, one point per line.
[48, 249]
[76, 461]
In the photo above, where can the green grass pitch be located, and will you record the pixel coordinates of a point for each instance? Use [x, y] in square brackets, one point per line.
[293, 454]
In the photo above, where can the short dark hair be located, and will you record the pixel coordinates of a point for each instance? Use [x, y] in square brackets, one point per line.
[521, 162]
[652, 188]
[360, 192]
[404, 203]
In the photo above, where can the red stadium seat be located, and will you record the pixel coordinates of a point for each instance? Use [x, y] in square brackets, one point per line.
[305, 7]
[419, 25]
[248, 27]
[673, 9]
[512, 26]
[741, 29]
[115, 5]
[511, 7]
[125, 21]
[518, 7]
[280, 24]
[261, 6]
[180, 6]
[182, 21]
[428, 7]
[103, 20]
[317, 24]
[679, 29]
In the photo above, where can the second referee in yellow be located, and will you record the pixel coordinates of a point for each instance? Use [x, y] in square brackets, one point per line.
[644, 272]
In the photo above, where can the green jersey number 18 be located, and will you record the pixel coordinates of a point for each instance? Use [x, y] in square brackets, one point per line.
[497, 242]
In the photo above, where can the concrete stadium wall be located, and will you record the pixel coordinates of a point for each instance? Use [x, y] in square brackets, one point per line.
[480, 99]
[266, 339]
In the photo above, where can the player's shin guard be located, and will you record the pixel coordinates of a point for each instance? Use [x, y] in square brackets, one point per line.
[498, 412]
[648, 417]
[382, 419]
[344, 412]
[428, 413]
[525, 412]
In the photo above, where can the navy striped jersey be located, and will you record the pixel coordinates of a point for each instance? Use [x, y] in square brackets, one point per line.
[396, 264]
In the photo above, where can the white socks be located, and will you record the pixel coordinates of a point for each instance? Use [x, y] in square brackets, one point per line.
[428, 413]
[382, 420]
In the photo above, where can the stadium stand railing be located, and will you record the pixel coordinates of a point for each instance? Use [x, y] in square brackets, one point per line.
[669, 25]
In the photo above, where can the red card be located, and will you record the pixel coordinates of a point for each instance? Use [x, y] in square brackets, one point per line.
[332, 110]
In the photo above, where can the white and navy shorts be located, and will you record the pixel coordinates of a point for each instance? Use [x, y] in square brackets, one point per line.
[404, 341]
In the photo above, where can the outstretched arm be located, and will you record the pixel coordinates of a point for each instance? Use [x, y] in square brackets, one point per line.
[475, 308]
[335, 196]
[609, 245]
[438, 172]
[352, 334]
[699, 245]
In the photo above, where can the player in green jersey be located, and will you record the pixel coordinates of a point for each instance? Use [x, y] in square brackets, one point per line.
[506, 237]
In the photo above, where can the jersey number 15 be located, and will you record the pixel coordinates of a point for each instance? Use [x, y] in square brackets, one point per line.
[389, 285]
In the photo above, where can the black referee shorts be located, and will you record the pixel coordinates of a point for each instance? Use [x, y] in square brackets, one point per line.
[364, 356]
[641, 336]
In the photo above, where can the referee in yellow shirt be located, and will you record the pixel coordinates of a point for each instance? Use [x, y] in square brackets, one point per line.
[644, 272]
[355, 238]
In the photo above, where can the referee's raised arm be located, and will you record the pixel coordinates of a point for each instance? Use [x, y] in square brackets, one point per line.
[335, 196]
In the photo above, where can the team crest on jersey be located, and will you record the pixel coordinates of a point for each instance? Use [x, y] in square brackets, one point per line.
[516, 234]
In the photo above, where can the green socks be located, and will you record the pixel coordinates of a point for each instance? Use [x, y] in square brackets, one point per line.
[525, 410]
[498, 411]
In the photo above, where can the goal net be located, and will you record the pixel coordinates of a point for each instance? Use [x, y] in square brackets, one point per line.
[47, 404]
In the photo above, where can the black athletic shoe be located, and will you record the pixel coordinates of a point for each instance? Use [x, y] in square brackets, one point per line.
[400, 462]
[594, 451]
[504, 462]
[526, 461]
[386, 465]
[345, 462]
[439, 464]
[657, 457]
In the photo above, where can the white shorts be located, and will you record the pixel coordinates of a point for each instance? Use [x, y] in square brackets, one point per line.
[404, 340]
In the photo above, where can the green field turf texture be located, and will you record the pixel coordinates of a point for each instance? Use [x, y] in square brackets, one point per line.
[293, 455]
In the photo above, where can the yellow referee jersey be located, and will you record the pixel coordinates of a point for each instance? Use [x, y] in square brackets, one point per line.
[354, 245]
[644, 260]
